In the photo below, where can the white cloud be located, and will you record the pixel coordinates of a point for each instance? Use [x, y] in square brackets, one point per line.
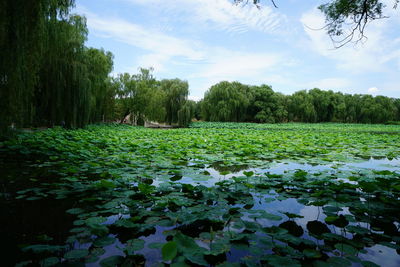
[138, 36]
[373, 90]
[373, 55]
[245, 67]
[163, 51]
[227, 64]
[156, 61]
[330, 84]
[160, 46]
[221, 14]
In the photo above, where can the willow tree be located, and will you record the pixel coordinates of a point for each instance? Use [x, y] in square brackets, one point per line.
[185, 115]
[64, 93]
[99, 65]
[23, 32]
[134, 93]
[176, 93]
[263, 104]
[47, 75]
[145, 84]
[155, 107]
[226, 101]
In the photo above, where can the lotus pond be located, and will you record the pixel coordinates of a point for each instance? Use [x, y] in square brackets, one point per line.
[215, 194]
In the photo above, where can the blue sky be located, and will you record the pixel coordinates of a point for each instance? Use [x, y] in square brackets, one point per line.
[207, 41]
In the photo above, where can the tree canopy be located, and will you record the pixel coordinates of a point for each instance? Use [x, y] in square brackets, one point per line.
[47, 75]
[145, 98]
[236, 102]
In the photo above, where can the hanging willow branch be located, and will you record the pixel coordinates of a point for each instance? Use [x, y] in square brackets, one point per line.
[346, 20]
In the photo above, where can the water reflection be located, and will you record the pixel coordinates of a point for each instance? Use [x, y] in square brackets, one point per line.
[323, 218]
[216, 173]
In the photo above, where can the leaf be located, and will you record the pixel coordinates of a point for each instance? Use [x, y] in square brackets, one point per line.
[331, 209]
[176, 178]
[111, 261]
[76, 254]
[43, 248]
[104, 241]
[369, 264]
[95, 220]
[190, 249]
[169, 251]
[312, 253]
[23, 263]
[75, 211]
[155, 245]
[331, 219]
[357, 229]
[293, 228]
[134, 245]
[338, 262]
[317, 228]
[347, 249]
[291, 215]
[179, 264]
[275, 231]
[270, 216]
[105, 184]
[98, 229]
[248, 174]
[49, 262]
[275, 260]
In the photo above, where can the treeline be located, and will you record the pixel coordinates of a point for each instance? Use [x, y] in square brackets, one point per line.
[142, 97]
[236, 102]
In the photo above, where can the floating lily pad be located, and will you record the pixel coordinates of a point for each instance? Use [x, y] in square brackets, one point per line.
[76, 254]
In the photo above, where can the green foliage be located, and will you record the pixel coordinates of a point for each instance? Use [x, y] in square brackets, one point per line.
[241, 103]
[23, 36]
[340, 14]
[143, 97]
[176, 96]
[47, 76]
[226, 101]
[185, 115]
[169, 251]
[170, 193]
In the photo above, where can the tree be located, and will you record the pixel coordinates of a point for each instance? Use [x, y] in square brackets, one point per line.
[226, 101]
[63, 92]
[23, 36]
[145, 98]
[47, 75]
[155, 108]
[176, 93]
[346, 20]
[301, 107]
[262, 105]
[185, 115]
[145, 83]
[100, 64]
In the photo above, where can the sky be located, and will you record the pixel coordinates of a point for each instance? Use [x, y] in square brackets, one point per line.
[208, 41]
